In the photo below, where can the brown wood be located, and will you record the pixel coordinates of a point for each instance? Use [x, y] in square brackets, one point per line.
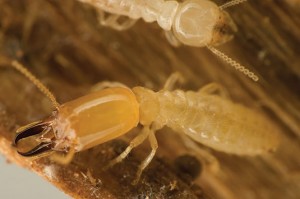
[62, 43]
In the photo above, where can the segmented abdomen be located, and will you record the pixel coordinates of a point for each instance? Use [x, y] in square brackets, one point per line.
[148, 10]
[217, 122]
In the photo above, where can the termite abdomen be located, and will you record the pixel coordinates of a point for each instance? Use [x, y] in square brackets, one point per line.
[217, 122]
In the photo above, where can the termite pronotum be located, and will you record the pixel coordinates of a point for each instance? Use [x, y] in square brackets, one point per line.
[197, 23]
[106, 114]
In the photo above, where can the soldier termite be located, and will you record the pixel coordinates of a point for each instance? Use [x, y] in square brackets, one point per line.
[106, 114]
[197, 23]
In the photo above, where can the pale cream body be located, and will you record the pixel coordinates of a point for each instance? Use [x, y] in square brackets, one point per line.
[209, 119]
[193, 22]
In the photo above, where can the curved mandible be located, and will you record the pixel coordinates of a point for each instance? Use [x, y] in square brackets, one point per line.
[41, 148]
[29, 130]
[32, 129]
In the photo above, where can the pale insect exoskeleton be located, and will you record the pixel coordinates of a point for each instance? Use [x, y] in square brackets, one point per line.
[106, 114]
[198, 23]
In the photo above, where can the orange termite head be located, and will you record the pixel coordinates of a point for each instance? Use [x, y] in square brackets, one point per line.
[200, 23]
[82, 123]
[78, 124]
[41, 128]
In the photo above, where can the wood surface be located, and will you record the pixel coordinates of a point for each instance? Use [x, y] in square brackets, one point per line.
[62, 43]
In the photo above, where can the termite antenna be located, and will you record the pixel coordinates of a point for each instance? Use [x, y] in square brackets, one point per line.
[22, 69]
[231, 3]
[233, 63]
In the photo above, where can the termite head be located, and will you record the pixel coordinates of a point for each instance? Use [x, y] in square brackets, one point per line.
[200, 23]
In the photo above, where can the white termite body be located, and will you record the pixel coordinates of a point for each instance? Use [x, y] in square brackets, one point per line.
[198, 23]
[209, 119]
[193, 22]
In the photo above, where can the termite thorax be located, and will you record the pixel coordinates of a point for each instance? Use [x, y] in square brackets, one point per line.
[161, 11]
[168, 12]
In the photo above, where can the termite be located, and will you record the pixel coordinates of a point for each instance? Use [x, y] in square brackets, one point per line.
[103, 115]
[198, 23]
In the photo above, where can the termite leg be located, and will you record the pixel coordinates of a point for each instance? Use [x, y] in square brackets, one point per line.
[112, 21]
[146, 162]
[139, 139]
[214, 88]
[172, 39]
[106, 84]
[61, 159]
[172, 80]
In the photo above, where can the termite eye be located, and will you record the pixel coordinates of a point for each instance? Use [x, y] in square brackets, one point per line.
[30, 131]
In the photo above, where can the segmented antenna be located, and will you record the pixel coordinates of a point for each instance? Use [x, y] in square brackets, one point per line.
[231, 3]
[19, 67]
[233, 63]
